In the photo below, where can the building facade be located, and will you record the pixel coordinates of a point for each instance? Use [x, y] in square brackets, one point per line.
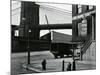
[29, 20]
[79, 12]
[84, 30]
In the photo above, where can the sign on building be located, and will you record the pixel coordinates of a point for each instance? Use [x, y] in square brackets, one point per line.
[82, 28]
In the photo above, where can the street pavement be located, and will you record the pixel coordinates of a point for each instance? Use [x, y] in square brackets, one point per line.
[52, 65]
[55, 65]
[85, 65]
[18, 59]
[19, 63]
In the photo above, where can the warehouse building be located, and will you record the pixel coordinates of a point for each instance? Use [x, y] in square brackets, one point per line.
[84, 29]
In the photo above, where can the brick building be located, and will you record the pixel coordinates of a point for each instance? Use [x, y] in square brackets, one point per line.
[84, 22]
[78, 12]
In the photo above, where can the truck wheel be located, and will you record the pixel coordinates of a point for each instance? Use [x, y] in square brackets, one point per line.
[61, 56]
[56, 56]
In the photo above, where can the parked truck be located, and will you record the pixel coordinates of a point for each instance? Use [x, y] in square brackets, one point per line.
[62, 50]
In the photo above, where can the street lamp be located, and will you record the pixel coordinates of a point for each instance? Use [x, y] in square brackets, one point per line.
[74, 67]
[29, 46]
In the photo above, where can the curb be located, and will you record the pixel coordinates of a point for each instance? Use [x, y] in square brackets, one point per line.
[32, 69]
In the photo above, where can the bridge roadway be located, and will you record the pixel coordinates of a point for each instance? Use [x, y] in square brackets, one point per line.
[50, 26]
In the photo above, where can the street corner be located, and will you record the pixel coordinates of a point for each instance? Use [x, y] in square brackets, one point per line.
[48, 66]
[31, 67]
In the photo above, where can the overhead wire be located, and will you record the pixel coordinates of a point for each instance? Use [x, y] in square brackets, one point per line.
[59, 10]
[60, 13]
[54, 7]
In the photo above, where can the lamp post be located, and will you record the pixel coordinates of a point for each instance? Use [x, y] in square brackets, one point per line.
[28, 47]
[73, 50]
[74, 64]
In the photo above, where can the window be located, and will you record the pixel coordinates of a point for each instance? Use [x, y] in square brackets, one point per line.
[79, 29]
[79, 8]
[87, 8]
[16, 33]
[90, 7]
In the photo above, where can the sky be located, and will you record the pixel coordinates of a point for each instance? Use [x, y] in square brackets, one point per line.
[56, 14]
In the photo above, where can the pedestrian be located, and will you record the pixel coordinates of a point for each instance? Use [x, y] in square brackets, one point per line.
[69, 67]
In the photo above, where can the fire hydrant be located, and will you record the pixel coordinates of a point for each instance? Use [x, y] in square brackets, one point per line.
[44, 64]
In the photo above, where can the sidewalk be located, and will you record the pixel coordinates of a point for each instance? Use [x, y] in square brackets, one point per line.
[53, 65]
[85, 65]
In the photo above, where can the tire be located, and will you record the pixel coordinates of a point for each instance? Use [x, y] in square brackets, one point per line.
[61, 56]
[55, 56]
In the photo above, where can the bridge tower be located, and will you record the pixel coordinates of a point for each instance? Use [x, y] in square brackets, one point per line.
[29, 19]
